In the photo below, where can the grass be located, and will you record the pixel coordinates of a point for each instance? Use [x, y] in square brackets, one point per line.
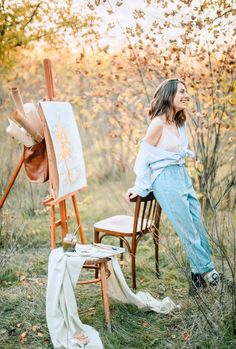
[23, 282]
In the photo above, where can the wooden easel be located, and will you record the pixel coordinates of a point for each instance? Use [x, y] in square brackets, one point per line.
[51, 202]
[12, 180]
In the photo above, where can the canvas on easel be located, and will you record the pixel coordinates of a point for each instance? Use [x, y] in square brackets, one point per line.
[66, 161]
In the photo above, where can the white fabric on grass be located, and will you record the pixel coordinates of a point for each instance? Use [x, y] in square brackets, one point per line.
[61, 307]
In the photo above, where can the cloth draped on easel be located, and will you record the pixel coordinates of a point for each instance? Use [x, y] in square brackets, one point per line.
[65, 327]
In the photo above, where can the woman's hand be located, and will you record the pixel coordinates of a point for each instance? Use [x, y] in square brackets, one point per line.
[130, 194]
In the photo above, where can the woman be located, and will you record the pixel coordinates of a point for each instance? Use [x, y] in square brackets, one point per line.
[160, 168]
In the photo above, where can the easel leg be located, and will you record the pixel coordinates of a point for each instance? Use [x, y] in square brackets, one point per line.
[12, 180]
[53, 227]
[63, 215]
[81, 232]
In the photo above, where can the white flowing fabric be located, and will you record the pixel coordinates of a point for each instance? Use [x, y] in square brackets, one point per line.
[61, 308]
[120, 291]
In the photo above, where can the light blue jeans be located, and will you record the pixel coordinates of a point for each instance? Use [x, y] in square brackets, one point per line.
[174, 191]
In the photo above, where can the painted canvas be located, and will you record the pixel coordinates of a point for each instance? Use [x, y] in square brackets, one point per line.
[67, 148]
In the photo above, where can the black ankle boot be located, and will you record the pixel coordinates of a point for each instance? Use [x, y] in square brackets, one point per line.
[197, 283]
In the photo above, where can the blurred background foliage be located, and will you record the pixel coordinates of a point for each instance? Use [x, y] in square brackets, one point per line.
[110, 92]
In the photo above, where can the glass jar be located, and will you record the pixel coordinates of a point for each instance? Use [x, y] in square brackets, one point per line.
[69, 243]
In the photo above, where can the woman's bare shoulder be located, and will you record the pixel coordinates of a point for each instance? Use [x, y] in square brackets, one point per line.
[156, 123]
[154, 131]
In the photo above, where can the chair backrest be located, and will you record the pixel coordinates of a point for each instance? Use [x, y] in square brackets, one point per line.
[146, 214]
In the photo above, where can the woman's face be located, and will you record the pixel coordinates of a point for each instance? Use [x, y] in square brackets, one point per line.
[181, 98]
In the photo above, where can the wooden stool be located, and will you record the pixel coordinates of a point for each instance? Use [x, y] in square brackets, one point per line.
[101, 265]
[98, 264]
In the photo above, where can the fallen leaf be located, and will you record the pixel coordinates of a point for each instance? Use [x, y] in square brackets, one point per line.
[185, 336]
[146, 324]
[35, 328]
[40, 334]
[23, 335]
[21, 277]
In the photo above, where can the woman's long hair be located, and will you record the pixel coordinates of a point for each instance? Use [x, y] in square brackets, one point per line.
[163, 102]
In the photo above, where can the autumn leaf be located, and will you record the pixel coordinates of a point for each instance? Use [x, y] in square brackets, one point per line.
[146, 324]
[21, 277]
[35, 328]
[90, 6]
[40, 334]
[23, 336]
[185, 336]
[119, 3]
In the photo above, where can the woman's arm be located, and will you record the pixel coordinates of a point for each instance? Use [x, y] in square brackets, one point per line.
[141, 168]
[154, 131]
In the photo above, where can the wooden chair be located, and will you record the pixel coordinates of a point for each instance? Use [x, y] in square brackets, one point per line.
[146, 220]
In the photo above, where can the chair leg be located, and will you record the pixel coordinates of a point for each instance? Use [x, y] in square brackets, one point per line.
[156, 244]
[105, 296]
[96, 240]
[122, 254]
[157, 260]
[96, 236]
[133, 271]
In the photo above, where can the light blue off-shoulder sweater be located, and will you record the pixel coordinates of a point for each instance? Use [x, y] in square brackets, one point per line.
[151, 161]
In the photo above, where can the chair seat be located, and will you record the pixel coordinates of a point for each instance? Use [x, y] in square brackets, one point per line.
[121, 224]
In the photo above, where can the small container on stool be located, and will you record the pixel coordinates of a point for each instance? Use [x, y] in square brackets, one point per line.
[69, 243]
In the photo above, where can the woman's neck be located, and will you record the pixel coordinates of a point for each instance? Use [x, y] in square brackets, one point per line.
[166, 121]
